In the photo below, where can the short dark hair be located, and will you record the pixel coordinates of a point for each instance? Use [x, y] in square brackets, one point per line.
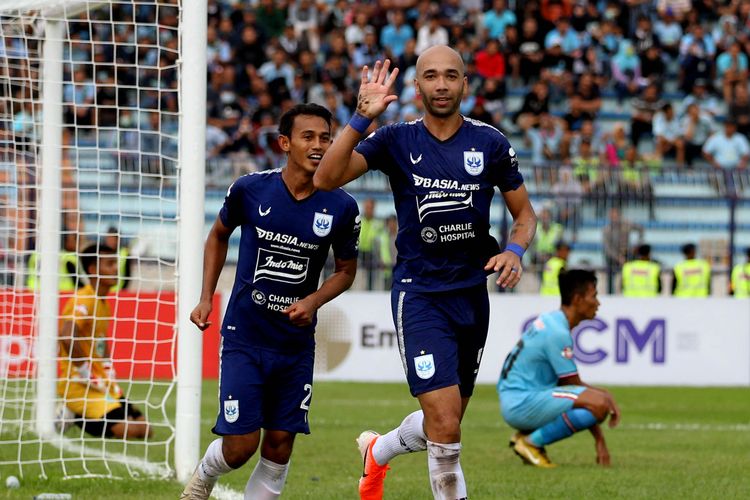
[688, 248]
[90, 255]
[643, 250]
[287, 119]
[574, 282]
[747, 252]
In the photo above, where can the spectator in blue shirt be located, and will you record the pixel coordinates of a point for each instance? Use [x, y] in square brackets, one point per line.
[395, 34]
[497, 19]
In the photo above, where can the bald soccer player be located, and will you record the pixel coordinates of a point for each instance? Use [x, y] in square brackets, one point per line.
[443, 170]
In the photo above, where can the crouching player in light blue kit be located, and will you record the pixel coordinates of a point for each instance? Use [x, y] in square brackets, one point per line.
[541, 393]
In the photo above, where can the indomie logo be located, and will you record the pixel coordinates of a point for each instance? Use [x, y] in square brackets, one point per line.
[627, 335]
[280, 266]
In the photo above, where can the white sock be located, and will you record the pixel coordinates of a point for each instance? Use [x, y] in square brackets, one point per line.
[213, 464]
[406, 438]
[446, 476]
[267, 480]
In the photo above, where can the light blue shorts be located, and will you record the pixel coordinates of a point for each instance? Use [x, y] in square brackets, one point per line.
[527, 411]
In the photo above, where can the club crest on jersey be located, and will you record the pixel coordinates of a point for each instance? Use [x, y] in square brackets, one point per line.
[259, 297]
[474, 162]
[425, 366]
[567, 352]
[322, 224]
[231, 410]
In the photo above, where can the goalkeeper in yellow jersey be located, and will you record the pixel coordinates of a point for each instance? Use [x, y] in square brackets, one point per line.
[92, 398]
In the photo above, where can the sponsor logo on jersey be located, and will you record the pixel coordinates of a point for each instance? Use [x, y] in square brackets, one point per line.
[322, 224]
[259, 297]
[280, 266]
[231, 410]
[429, 235]
[453, 184]
[425, 366]
[262, 212]
[474, 162]
[416, 160]
[442, 201]
[513, 157]
[284, 239]
[567, 352]
[279, 302]
[456, 232]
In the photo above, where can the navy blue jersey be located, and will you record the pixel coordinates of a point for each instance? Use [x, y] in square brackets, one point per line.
[442, 191]
[283, 247]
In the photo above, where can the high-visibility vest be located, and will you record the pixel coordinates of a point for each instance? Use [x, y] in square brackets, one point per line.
[550, 284]
[741, 281]
[640, 278]
[122, 262]
[545, 241]
[693, 278]
[66, 282]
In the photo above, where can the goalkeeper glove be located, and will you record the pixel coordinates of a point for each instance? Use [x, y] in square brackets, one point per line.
[109, 373]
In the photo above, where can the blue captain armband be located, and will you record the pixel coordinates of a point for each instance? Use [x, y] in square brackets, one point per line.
[516, 249]
[360, 123]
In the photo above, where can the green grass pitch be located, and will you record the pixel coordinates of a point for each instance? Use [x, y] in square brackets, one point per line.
[673, 443]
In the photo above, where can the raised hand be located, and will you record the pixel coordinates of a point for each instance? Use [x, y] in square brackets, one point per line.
[374, 90]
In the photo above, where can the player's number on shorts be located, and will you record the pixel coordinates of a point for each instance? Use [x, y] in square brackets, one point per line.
[511, 359]
[305, 404]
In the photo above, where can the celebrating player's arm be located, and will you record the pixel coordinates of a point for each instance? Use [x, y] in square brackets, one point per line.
[302, 312]
[374, 97]
[214, 257]
[508, 263]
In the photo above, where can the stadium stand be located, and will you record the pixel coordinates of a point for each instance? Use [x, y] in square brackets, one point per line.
[265, 55]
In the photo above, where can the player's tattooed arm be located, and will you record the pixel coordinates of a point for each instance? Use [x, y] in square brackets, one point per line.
[520, 234]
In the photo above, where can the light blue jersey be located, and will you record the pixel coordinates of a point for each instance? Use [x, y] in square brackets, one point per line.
[530, 396]
[542, 356]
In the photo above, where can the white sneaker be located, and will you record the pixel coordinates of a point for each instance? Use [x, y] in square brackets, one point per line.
[197, 488]
[64, 418]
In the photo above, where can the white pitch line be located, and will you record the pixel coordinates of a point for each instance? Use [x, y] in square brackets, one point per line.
[162, 472]
[659, 426]
[152, 469]
[223, 493]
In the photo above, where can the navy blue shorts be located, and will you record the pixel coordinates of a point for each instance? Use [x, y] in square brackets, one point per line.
[260, 388]
[441, 337]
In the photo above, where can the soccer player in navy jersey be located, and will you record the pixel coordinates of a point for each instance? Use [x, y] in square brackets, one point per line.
[541, 392]
[268, 343]
[443, 170]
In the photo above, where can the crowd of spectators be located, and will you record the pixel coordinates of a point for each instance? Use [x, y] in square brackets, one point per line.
[677, 71]
[562, 55]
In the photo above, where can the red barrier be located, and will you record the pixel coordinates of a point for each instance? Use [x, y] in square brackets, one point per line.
[141, 333]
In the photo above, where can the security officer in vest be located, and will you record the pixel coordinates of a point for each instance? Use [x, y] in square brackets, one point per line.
[739, 285]
[548, 233]
[692, 276]
[67, 269]
[641, 277]
[552, 268]
[112, 240]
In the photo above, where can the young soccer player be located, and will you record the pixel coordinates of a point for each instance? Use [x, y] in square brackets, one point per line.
[268, 341]
[443, 170]
[541, 393]
[92, 398]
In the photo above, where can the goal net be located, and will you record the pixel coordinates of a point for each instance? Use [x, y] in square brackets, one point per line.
[90, 124]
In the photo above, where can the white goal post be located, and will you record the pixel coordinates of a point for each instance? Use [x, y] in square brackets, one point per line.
[102, 123]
